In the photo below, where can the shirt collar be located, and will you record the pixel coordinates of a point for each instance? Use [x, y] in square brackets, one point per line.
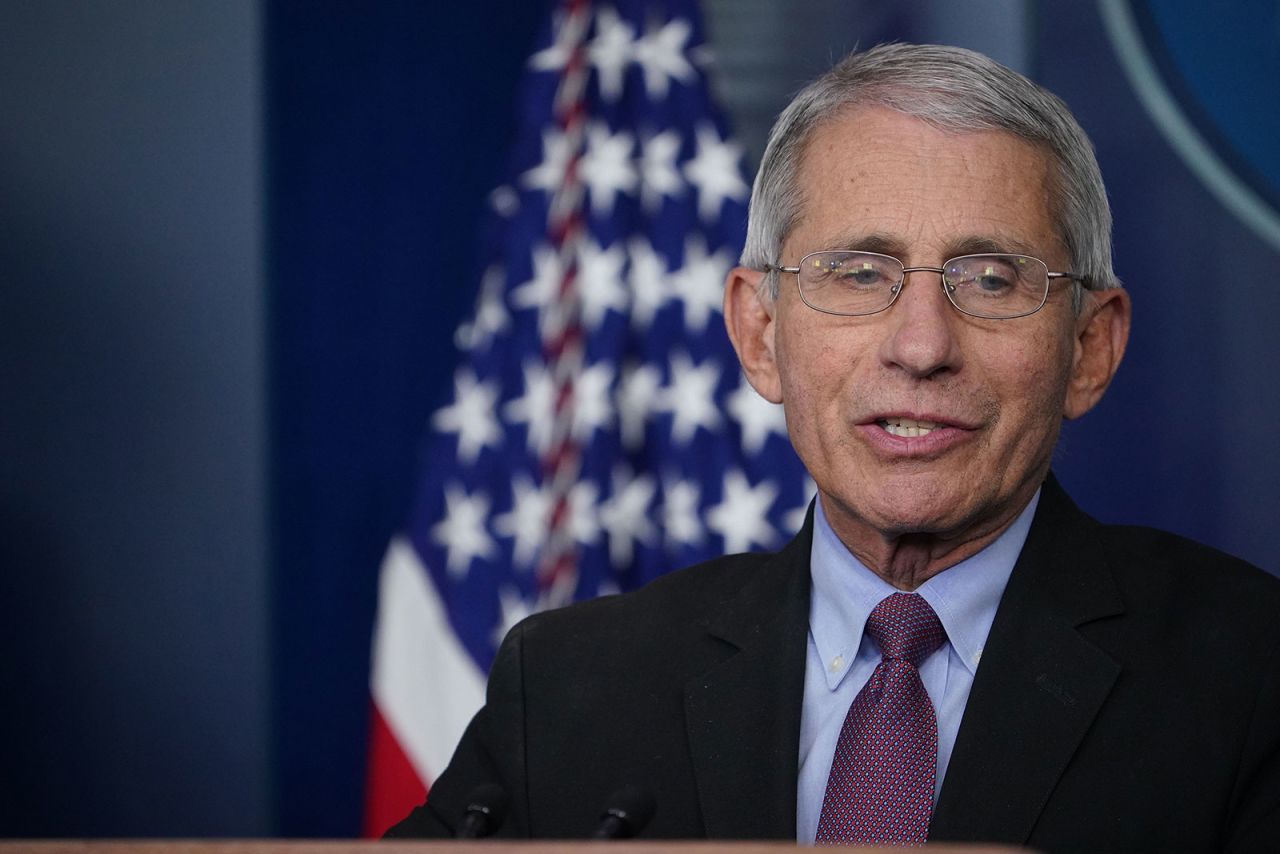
[965, 596]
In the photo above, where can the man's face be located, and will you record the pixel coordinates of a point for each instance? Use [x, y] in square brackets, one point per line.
[853, 388]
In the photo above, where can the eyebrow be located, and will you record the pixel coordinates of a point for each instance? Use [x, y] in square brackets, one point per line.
[980, 245]
[881, 243]
[885, 244]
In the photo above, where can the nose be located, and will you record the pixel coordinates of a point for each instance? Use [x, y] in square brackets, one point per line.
[921, 337]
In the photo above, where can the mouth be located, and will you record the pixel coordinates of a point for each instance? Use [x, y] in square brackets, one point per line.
[921, 436]
[907, 428]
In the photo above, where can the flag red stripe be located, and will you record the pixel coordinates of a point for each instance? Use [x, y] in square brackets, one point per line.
[393, 787]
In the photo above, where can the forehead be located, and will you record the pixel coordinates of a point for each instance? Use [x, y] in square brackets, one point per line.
[872, 173]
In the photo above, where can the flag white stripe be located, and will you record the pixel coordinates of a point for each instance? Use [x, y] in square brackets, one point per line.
[424, 683]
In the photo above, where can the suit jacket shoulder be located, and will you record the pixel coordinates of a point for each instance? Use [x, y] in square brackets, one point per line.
[686, 688]
[1127, 698]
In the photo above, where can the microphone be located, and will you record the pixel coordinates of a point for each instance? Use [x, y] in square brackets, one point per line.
[486, 810]
[630, 809]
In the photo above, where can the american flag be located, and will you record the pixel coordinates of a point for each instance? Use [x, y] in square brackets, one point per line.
[599, 431]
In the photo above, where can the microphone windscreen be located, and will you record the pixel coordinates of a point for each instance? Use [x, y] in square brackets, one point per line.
[486, 810]
[632, 808]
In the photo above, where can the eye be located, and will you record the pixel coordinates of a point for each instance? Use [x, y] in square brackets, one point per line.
[850, 270]
[983, 275]
[863, 275]
[992, 279]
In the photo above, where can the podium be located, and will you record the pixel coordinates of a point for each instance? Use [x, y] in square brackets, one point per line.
[249, 846]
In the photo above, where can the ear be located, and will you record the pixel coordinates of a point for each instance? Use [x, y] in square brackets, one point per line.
[1102, 331]
[749, 318]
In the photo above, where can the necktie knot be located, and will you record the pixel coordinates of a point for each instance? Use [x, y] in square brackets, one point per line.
[906, 628]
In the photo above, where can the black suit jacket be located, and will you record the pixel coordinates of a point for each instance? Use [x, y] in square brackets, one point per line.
[1128, 699]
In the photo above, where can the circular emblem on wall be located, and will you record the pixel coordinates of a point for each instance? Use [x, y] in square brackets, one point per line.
[1209, 76]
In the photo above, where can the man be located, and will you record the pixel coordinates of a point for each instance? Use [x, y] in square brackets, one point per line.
[949, 649]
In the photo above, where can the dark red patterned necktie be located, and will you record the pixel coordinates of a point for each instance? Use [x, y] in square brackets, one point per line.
[882, 776]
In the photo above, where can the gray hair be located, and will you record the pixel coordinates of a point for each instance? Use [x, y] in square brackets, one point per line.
[952, 89]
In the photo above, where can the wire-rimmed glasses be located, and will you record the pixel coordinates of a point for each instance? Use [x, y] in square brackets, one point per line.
[992, 285]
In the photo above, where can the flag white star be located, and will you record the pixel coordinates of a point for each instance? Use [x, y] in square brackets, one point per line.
[491, 317]
[505, 201]
[544, 285]
[699, 283]
[681, 524]
[610, 52]
[636, 394]
[625, 516]
[756, 416]
[526, 522]
[714, 171]
[659, 176]
[600, 282]
[534, 408]
[542, 291]
[566, 32]
[592, 404]
[690, 397]
[514, 609]
[461, 533]
[648, 281]
[606, 167]
[549, 174]
[741, 517]
[660, 53]
[584, 523]
[470, 415]
[794, 518]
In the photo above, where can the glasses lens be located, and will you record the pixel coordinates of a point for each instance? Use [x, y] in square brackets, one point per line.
[849, 282]
[997, 285]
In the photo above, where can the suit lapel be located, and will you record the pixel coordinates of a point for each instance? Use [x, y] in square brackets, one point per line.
[1040, 683]
[743, 715]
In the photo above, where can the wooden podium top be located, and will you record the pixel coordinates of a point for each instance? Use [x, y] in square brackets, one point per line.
[261, 846]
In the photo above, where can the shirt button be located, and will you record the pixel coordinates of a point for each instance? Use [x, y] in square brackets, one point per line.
[837, 663]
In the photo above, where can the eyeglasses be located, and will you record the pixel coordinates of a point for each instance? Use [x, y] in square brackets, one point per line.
[990, 285]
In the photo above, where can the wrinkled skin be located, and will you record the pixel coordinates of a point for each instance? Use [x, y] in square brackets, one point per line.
[911, 506]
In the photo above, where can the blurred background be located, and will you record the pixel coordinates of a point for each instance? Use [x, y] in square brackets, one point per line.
[236, 238]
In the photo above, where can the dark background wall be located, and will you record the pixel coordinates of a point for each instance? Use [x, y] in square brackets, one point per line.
[385, 132]
[133, 565]
[235, 239]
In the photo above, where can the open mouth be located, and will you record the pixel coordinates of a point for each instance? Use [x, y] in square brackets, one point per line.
[907, 428]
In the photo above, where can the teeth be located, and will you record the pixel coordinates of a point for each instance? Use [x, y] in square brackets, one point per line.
[908, 427]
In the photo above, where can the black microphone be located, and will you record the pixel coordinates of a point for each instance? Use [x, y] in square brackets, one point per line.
[630, 809]
[486, 810]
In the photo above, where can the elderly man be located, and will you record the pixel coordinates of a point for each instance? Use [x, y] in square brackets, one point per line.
[949, 649]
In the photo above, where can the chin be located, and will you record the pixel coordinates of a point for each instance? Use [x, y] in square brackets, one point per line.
[928, 505]
[919, 521]
[910, 515]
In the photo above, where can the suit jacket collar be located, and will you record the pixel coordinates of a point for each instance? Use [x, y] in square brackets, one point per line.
[1037, 691]
[1040, 683]
[743, 715]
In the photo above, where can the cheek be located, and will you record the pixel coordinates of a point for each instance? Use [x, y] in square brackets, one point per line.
[807, 364]
[798, 370]
[1040, 381]
[815, 368]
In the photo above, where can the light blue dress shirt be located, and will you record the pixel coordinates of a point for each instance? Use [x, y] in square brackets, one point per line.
[840, 659]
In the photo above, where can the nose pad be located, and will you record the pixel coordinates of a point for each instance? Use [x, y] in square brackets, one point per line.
[947, 290]
[921, 337]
